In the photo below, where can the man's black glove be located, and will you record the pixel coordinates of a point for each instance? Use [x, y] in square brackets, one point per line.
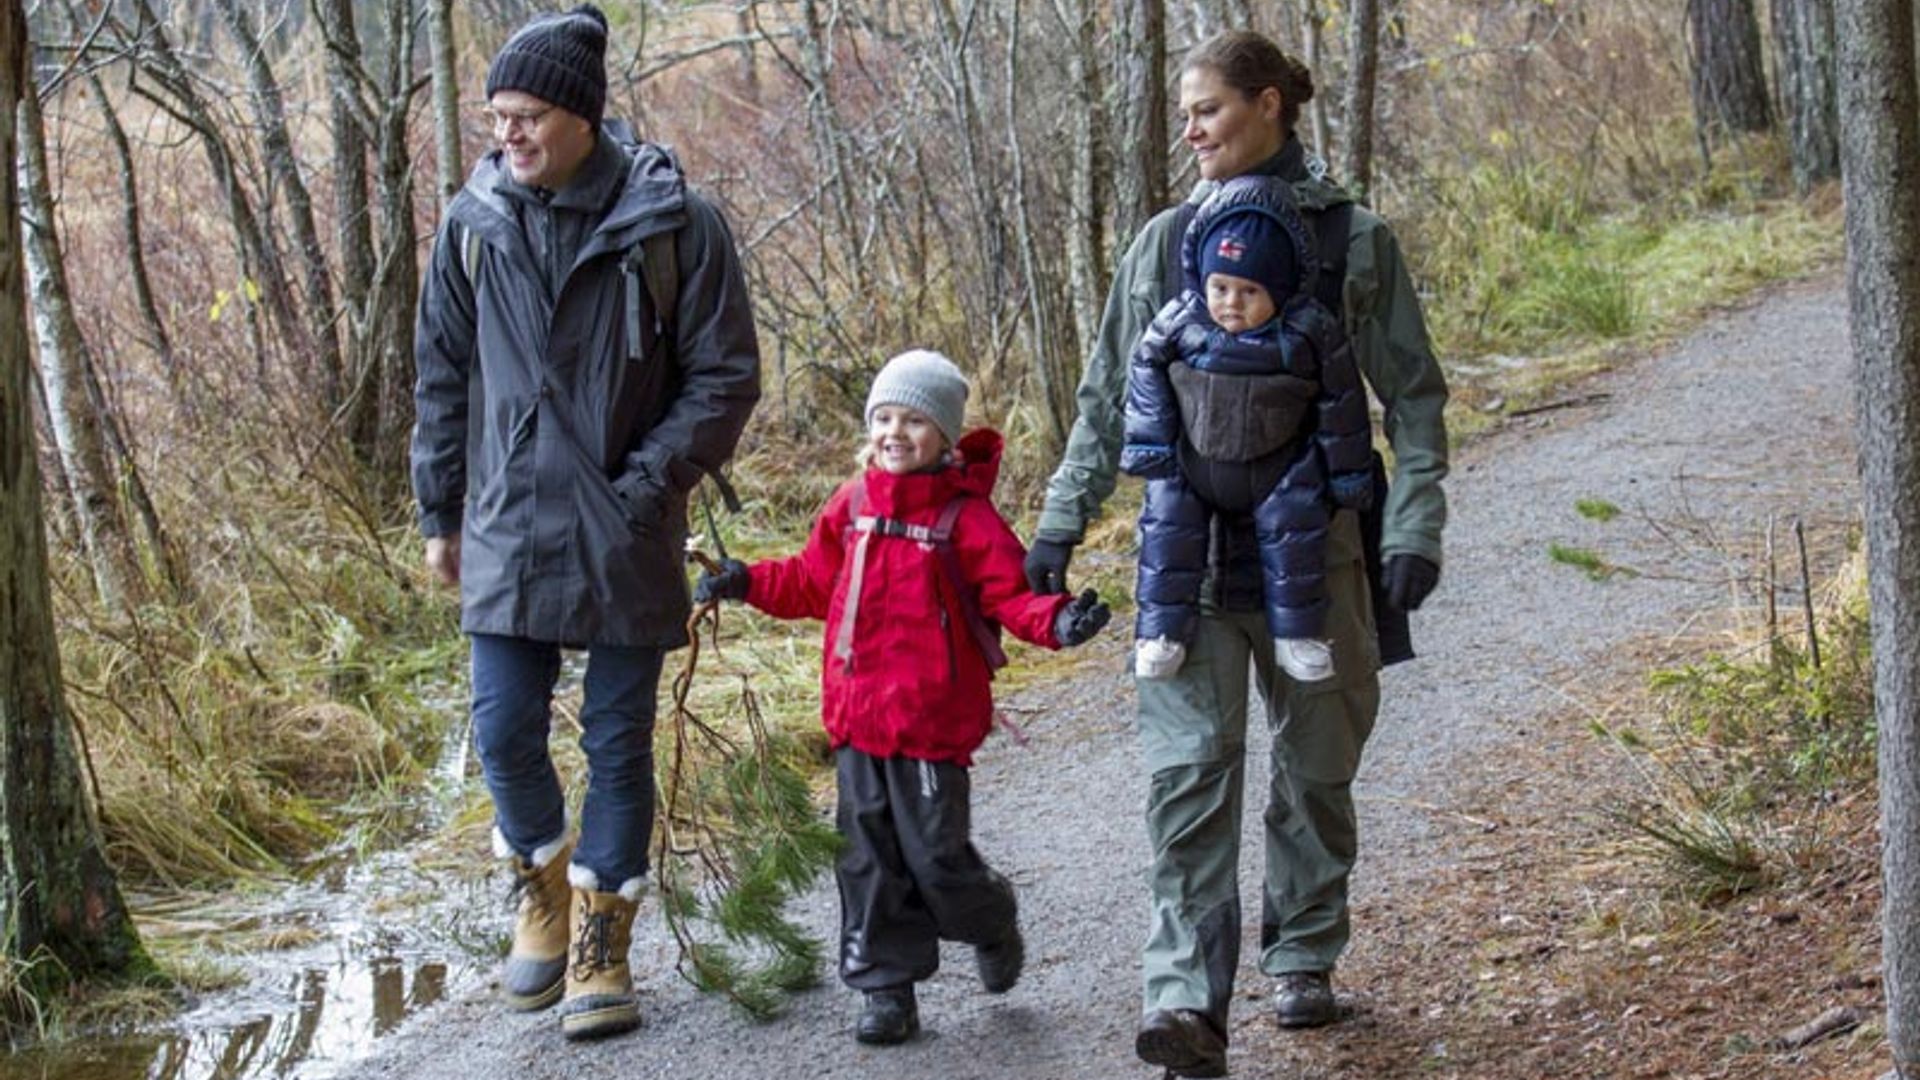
[1409, 579]
[729, 584]
[1082, 618]
[1046, 565]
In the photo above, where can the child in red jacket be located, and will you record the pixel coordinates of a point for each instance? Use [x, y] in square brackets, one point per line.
[907, 563]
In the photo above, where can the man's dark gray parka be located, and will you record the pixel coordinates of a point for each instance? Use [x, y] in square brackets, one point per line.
[559, 453]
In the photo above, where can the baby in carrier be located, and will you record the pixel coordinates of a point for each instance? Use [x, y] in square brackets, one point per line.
[1243, 401]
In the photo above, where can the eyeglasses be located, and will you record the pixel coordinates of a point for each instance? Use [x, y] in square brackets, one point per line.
[505, 122]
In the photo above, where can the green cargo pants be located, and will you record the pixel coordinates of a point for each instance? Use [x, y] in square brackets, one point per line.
[1193, 733]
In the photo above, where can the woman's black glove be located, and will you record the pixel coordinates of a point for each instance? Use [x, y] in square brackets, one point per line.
[1082, 618]
[1409, 579]
[1046, 565]
[730, 583]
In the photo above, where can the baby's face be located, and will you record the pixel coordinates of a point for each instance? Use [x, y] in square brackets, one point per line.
[1237, 303]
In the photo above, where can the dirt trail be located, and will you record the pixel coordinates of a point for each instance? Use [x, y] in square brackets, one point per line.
[1751, 415]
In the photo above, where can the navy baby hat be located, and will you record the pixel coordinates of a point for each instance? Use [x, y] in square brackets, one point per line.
[1250, 244]
[560, 59]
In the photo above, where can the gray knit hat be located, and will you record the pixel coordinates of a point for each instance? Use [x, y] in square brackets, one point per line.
[923, 379]
[560, 59]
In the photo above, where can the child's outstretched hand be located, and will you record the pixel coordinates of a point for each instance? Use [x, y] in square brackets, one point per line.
[729, 583]
[1082, 618]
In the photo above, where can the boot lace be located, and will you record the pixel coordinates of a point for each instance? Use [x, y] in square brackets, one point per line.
[540, 902]
[594, 949]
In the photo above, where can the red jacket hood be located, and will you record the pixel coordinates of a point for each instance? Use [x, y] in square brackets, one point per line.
[975, 468]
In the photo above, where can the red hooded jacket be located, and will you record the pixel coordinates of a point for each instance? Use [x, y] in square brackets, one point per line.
[915, 685]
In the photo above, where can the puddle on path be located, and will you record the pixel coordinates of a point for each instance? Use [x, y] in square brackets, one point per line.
[387, 939]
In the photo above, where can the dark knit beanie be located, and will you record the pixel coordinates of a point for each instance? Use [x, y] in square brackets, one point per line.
[1250, 244]
[560, 59]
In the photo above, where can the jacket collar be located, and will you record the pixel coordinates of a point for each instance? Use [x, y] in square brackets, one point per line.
[639, 183]
[975, 467]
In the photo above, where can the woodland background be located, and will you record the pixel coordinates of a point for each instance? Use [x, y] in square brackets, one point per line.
[227, 203]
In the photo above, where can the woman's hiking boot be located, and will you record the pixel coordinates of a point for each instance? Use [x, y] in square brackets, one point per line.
[537, 962]
[1304, 999]
[1001, 962]
[1181, 1041]
[599, 992]
[889, 1016]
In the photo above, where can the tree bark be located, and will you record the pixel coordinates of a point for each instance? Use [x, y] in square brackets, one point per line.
[1141, 39]
[1880, 146]
[1363, 74]
[58, 897]
[1803, 33]
[350, 117]
[270, 115]
[63, 371]
[1313, 32]
[1729, 80]
[446, 101]
[1087, 274]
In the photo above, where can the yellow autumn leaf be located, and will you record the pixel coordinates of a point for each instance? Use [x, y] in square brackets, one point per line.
[1465, 39]
[251, 290]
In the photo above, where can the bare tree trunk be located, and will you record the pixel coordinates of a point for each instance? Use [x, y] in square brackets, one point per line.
[446, 101]
[1363, 73]
[1803, 32]
[1313, 32]
[260, 260]
[398, 274]
[351, 119]
[57, 892]
[1880, 141]
[1729, 81]
[270, 115]
[1141, 48]
[1041, 342]
[1087, 182]
[63, 365]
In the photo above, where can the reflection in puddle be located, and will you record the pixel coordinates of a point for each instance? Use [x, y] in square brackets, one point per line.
[325, 1022]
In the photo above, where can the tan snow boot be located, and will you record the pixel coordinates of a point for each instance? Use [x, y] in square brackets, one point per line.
[537, 962]
[599, 994]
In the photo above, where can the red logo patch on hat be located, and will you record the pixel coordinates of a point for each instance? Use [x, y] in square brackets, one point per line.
[1231, 248]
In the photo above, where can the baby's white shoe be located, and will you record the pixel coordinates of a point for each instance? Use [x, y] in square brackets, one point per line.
[1157, 658]
[1306, 659]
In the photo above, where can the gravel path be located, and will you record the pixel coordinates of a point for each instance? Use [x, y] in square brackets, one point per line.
[1751, 415]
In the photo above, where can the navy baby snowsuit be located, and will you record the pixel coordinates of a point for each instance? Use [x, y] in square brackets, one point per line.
[1270, 422]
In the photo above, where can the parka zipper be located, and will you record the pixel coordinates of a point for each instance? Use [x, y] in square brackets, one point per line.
[953, 659]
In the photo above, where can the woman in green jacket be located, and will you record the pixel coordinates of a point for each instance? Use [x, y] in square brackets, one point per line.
[1241, 96]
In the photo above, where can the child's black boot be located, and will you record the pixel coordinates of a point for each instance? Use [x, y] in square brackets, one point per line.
[890, 1016]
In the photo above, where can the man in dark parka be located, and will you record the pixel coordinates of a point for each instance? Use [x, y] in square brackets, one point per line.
[563, 418]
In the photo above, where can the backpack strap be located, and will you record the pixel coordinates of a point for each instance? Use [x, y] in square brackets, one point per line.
[940, 537]
[1173, 276]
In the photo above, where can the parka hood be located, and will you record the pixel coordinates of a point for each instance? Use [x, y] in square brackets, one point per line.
[652, 196]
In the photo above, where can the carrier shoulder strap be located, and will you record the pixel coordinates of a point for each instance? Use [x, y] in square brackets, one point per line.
[939, 535]
[1173, 276]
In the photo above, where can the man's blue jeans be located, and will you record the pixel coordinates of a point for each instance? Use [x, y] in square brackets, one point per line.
[513, 681]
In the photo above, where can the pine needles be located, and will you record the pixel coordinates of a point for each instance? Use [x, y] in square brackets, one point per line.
[738, 838]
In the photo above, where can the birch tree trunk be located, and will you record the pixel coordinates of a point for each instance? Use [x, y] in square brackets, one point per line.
[1880, 146]
[63, 372]
[446, 101]
[56, 891]
[1363, 74]
[1141, 67]
[398, 269]
[1729, 81]
[1803, 33]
